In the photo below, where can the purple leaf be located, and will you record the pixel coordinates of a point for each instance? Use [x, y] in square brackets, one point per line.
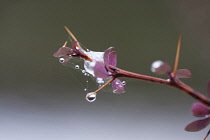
[100, 71]
[208, 88]
[183, 73]
[160, 67]
[197, 125]
[77, 48]
[62, 51]
[106, 54]
[200, 110]
[118, 86]
[113, 58]
[110, 58]
[75, 45]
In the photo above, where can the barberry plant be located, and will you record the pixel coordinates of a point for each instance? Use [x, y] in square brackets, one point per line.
[103, 67]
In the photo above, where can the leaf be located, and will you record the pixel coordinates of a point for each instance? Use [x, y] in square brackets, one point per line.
[118, 86]
[200, 110]
[197, 125]
[183, 73]
[100, 71]
[160, 67]
[62, 51]
[77, 48]
[106, 55]
[113, 58]
[110, 58]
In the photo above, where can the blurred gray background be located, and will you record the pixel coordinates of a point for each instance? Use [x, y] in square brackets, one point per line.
[41, 99]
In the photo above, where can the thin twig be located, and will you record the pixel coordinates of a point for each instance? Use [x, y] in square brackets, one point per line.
[108, 82]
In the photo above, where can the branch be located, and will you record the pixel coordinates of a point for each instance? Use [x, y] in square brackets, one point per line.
[173, 82]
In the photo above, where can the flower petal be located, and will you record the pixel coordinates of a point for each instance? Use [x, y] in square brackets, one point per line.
[197, 125]
[118, 86]
[160, 67]
[200, 110]
[183, 73]
[100, 70]
[62, 51]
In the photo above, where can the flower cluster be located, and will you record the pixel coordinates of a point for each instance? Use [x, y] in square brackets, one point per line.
[102, 70]
[96, 64]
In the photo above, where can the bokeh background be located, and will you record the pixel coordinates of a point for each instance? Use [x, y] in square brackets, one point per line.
[41, 99]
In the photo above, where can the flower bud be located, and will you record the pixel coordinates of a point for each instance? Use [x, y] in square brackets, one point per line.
[118, 86]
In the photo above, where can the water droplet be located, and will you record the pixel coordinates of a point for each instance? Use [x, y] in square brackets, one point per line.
[61, 60]
[115, 91]
[76, 66]
[99, 85]
[99, 80]
[85, 89]
[91, 97]
[160, 67]
[83, 71]
[123, 82]
[89, 67]
[156, 65]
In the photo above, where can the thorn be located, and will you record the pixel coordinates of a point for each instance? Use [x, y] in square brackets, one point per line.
[70, 33]
[64, 45]
[177, 55]
[78, 44]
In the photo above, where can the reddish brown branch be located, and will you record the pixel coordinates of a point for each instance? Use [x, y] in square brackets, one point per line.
[173, 82]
